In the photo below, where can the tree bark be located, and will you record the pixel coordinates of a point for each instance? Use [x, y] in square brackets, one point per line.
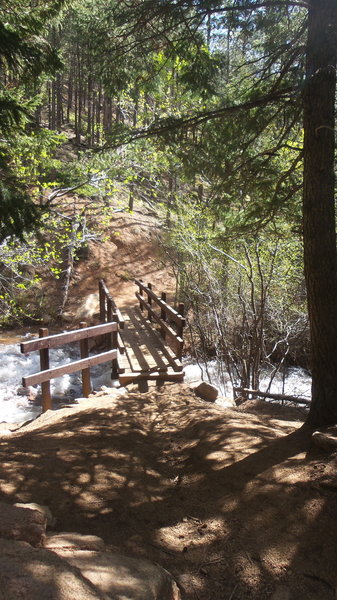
[319, 228]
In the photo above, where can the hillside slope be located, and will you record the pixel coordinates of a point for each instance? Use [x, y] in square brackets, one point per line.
[132, 250]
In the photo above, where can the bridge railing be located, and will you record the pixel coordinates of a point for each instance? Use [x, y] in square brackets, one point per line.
[108, 309]
[45, 342]
[171, 322]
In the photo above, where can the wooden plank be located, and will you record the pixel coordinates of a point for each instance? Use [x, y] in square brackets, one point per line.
[133, 351]
[69, 368]
[54, 341]
[167, 354]
[148, 342]
[156, 376]
[162, 353]
[123, 363]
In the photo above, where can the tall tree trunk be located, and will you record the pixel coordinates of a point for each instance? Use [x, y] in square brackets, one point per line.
[59, 102]
[98, 114]
[70, 88]
[90, 108]
[53, 106]
[78, 96]
[320, 258]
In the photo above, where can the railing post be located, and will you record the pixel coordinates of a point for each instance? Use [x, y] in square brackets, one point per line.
[114, 374]
[141, 294]
[149, 301]
[84, 349]
[163, 315]
[44, 365]
[101, 301]
[109, 318]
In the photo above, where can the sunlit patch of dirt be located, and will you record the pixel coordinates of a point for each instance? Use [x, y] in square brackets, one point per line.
[235, 504]
[132, 251]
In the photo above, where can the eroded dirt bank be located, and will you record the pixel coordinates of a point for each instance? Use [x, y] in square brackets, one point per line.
[232, 503]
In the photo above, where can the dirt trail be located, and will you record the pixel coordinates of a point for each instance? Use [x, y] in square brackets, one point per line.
[232, 503]
[133, 250]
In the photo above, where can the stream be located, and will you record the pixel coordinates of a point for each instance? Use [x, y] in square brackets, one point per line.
[18, 404]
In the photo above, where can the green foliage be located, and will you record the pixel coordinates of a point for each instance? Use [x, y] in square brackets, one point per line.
[24, 56]
[18, 212]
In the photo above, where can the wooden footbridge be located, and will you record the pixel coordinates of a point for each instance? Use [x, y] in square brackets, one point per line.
[150, 336]
[143, 343]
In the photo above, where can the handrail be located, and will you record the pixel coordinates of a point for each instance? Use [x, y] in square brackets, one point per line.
[175, 338]
[57, 340]
[77, 365]
[45, 342]
[175, 316]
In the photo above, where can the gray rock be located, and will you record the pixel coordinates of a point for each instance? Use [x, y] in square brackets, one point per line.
[17, 523]
[206, 391]
[123, 578]
[73, 541]
[34, 573]
[51, 521]
[327, 439]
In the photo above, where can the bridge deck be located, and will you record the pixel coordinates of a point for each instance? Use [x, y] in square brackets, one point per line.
[146, 355]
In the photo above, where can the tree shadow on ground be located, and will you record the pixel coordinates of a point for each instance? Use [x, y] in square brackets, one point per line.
[219, 498]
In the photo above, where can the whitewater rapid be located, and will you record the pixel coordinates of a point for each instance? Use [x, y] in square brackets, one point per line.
[18, 404]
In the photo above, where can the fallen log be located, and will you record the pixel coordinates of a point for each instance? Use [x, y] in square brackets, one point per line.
[295, 399]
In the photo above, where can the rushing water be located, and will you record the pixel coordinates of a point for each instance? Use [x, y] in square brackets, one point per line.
[297, 381]
[18, 404]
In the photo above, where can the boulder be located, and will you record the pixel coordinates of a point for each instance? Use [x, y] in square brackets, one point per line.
[327, 439]
[206, 391]
[73, 541]
[18, 523]
[44, 510]
[34, 573]
[122, 577]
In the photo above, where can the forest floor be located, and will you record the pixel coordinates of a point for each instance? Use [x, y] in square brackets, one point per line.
[236, 503]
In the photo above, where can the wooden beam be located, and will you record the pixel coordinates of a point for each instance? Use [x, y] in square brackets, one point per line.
[44, 364]
[134, 377]
[102, 307]
[177, 340]
[173, 314]
[78, 365]
[54, 341]
[84, 349]
[104, 291]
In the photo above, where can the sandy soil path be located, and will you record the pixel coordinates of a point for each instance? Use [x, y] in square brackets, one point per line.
[234, 504]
